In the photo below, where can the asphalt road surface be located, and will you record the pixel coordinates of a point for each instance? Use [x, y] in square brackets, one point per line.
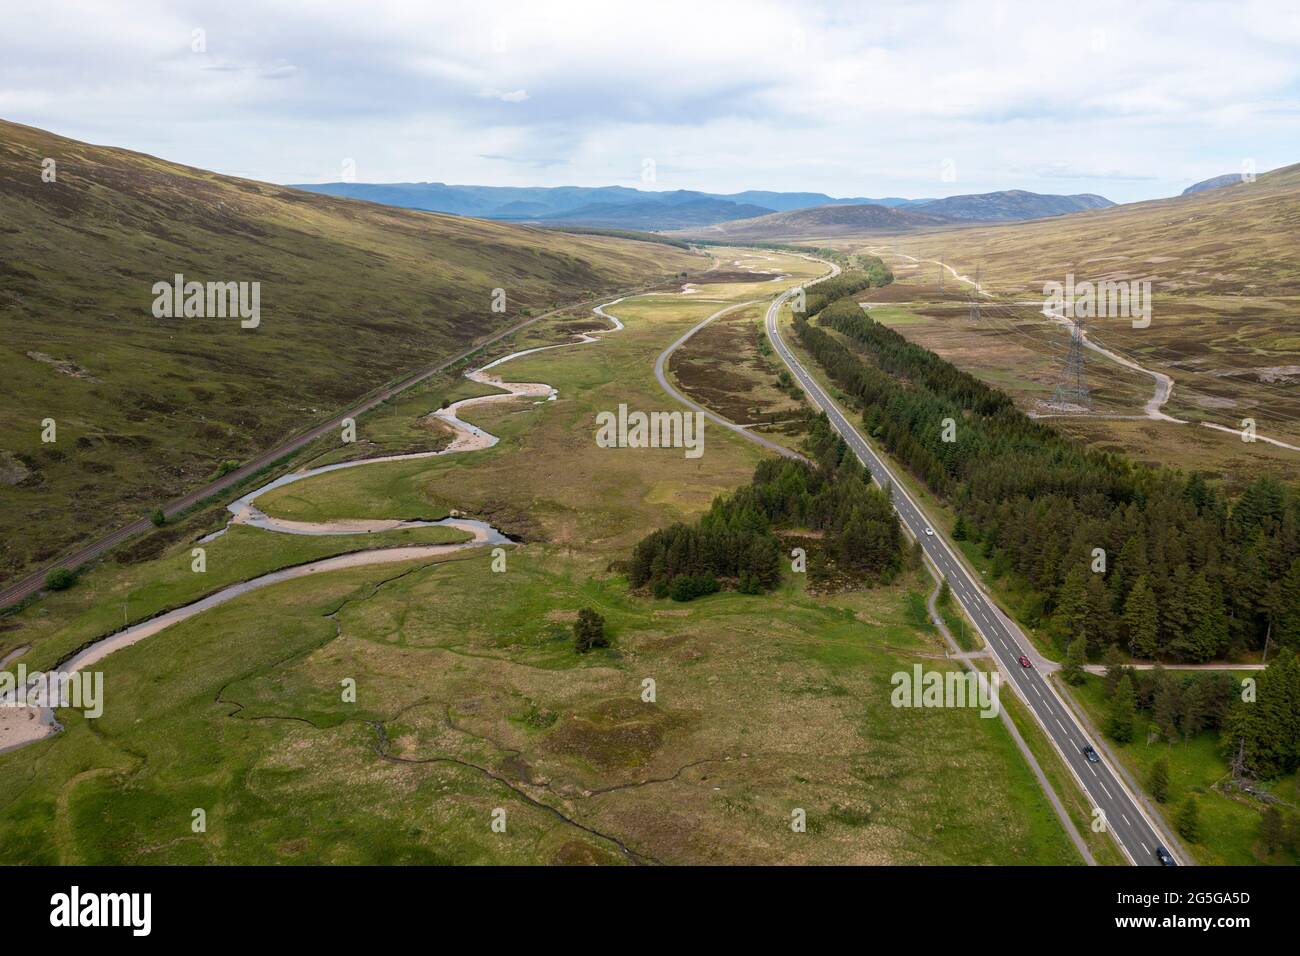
[1133, 830]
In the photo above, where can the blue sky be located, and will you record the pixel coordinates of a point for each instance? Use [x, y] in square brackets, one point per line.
[912, 99]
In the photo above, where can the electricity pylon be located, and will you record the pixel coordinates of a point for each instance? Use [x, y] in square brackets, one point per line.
[1072, 389]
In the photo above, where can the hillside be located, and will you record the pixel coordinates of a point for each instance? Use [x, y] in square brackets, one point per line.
[1236, 240]
[1228, 179]
[818, 221]
[352, 295]
[1224, 273]
[1011, 204]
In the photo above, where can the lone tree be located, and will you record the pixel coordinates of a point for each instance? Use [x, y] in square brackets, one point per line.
[589, 631]
[1160, 780]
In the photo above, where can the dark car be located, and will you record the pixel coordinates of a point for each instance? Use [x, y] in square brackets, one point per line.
[1164, 856]
[1091, 754]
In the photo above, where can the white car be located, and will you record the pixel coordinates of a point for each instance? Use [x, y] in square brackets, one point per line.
[930, 532]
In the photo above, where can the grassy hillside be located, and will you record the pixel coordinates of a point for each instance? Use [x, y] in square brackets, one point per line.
[1237, 240]
[1224, 270]
[352, 296]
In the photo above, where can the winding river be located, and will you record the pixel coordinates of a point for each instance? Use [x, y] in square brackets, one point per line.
[21, 725]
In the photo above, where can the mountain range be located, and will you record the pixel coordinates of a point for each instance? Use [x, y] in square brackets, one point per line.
[1008, 206]
[573, 203]
[622, 207]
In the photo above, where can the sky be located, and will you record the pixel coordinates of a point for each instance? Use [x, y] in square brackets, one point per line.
[913, 99]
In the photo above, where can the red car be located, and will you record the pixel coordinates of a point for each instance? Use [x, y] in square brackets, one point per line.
[1024, 661]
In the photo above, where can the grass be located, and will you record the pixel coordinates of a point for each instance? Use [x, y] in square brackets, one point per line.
[959, 624]
[1229, 826]
[762, 705]
[109, 596]
[353, 296]
[470, 697]
[1105, 851]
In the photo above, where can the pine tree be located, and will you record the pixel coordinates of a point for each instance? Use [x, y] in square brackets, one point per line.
[1129, 566]
[959, 532]
[1142, 620]
[1159, 782]
[1264, 735]
[1123, 709]
[1189, 820]
[1072, 671]
[1071, 618]
[1206, 633]
[1194, 707]
[1099, 628]
[1287, 629]
[589, 631]
[1114, 661]
[1165, 704]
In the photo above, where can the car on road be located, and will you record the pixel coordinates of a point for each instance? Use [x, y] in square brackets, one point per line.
[1092, 755]
[1165, 857]
[930, 532]
[1024, 661]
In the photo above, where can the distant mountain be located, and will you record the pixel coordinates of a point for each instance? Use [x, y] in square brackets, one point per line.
[656, 215]
[1011, 204]
[1231, 179]
[621, 207]
[820, 221]
[590, 205]
[482, 202]
[785, 202]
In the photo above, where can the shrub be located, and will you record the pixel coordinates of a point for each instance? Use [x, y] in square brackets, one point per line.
[687, 587]
[60, 579]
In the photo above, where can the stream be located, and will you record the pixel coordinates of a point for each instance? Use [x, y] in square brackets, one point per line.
[21, 724]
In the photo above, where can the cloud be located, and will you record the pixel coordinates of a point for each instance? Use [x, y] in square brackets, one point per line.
[535, 163]
[1133, 100]
[515, 96]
